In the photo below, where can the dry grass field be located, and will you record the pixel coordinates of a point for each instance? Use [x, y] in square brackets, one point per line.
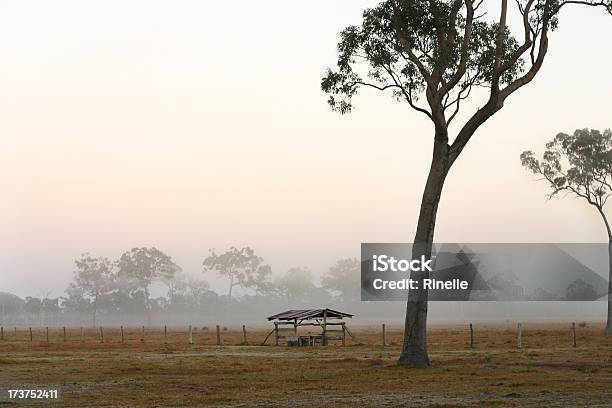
[546, 372]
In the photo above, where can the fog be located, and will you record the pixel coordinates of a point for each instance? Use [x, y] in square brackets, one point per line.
[154, 124]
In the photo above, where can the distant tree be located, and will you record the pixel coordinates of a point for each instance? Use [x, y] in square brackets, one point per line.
[197, 291]
[143, 266]
[297, 286]
[580, 165]
[439, 51]
[177, 288]
[580, 290]
[93, 278]
[50, 307]
[75, 300]
[343, 280]
[242, 268]
[32, 306]
[10, 305]
[186, 293]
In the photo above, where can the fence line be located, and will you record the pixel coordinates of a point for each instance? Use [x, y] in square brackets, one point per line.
[65, 335]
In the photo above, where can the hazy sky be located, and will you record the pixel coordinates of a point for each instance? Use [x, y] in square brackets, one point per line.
[197, 124]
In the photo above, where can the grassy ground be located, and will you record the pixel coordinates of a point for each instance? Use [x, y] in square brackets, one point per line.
[547, 372]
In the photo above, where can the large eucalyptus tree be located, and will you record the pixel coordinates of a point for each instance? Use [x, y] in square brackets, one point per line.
[432, 54]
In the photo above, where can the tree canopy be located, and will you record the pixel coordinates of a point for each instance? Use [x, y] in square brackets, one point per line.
[579, 164]
[432, 53]
[242, 268]
[140, 267]
[93, 278]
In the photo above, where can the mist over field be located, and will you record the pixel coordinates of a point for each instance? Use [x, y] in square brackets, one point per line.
[143, 128]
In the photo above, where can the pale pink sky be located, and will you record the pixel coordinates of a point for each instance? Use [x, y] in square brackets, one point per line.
[193, 125]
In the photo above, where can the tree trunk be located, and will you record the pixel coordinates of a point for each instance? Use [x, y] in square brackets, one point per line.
[414, 351]
[148, 306]
[95, 309]
[608, 330]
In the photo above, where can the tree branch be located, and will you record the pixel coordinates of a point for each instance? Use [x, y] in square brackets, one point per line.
[527, 43]
[537, 65]
[456, 77]
[407, 95]
[605, 4]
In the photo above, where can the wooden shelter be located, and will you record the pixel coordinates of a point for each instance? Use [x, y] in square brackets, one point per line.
[330, 321]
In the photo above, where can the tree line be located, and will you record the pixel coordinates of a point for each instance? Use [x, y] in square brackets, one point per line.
[110, 289]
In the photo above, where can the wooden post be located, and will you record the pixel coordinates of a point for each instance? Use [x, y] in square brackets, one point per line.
[166, 334]
[343, 334]
[31, 337]
[122, 337]
[519, 335]
[574, 332]
[82, 334]
[384, 336]
[218, 336]
[101, 335]
[244, 336]
[64, 328]
[1, 333]
[190, 335]
[47, 333]
[276, 334]
[324, 341]
[142, 335]
[471, 336]
[267, 337]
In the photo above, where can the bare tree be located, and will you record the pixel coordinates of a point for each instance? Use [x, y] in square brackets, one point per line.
[439, 51]
[581, 165]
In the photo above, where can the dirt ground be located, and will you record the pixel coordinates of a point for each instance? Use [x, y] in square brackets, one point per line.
[547, 372]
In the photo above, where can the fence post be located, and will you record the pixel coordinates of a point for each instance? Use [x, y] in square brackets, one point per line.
[165, 334]
[519, 335]
[15, 331]
[47, 333]
[244, 336]
[31, 337]
[142, 335]
[122, 338]
[343, 334]
[101, 335]
[471, 336]
[324, 339]
[190, 335]
[574, 332]
[384, 335]
[275, 334]
[218, 336]
[1, 333]
[82, 339]
[64, 328]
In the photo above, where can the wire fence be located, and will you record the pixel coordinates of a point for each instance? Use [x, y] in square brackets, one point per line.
[468, 336]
